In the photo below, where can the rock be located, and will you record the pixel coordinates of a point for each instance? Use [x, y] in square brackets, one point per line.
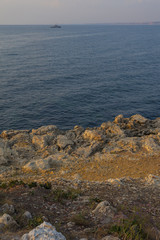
[93, 135]
[7, 155]
[106, 125]
[71, 135]
[45, 130]
[6, 208]
[44, 135]
[21, 140]
[114, 131]
[119, 119]
[70, 224]
[3, 159]
[149, 144]
[45, 231]
[41, 141]
[116, 181]
[63, 141]
[8, 221]
[42, 164]
[7, 134]
[27, 215]
[78, 130]
[156, 123]
[105, 212]
[110, 238]
[137, 118]
[90, 150]
[153, 180]
[131, 144]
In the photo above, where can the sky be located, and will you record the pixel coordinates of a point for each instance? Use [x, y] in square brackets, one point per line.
[78, 11]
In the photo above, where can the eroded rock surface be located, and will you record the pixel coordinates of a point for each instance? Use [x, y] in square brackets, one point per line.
[48, 148]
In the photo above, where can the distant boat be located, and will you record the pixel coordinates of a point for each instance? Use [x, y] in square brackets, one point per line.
[55, 26]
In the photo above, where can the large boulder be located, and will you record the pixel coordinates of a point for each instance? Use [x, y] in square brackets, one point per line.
[42, 164]
[45, 231]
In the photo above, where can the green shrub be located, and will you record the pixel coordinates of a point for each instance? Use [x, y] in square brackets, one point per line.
[3, 185]
[32, 184]
[80, 220]
[14, 183]
[130, 229]
[35, 221]
[46, 185]
[60, 194]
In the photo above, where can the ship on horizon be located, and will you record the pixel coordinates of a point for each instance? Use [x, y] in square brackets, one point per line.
[55, 26]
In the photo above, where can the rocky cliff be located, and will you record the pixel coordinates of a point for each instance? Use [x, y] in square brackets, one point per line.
[99, 183]
[124, 147]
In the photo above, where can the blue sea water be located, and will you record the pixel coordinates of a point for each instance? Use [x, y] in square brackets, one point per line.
[78, 74]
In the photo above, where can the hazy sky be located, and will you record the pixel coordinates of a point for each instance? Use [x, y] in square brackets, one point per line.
[78, 11]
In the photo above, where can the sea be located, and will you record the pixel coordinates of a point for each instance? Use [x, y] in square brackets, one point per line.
[77, 74]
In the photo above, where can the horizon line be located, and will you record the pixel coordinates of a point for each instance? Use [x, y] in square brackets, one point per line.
[112, 23]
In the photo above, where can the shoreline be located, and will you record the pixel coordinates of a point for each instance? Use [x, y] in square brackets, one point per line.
[121, 148]
[85, 182]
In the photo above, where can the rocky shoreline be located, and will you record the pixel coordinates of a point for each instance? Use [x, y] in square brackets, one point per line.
[85, 153]
[116, 165]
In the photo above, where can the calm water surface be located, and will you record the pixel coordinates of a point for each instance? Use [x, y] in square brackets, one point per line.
[77, 75]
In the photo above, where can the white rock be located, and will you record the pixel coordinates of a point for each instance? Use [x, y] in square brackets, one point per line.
[27, 215]
[45, 231]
